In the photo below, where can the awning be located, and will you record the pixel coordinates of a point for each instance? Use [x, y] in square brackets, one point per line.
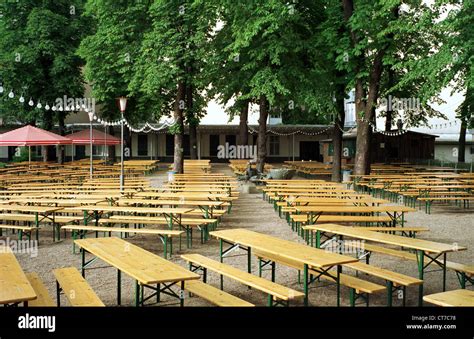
[32, 136]
[98, 138]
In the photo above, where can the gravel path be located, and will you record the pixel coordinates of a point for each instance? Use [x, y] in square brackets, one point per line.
[447, 225]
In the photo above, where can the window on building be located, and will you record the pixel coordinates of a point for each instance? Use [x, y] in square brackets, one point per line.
[142, 145]
[213, 144]
[274, 145]
[99, 150]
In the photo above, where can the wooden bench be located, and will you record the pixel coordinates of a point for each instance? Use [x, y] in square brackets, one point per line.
[464, 272]
[214, 295]
[328, 218]
[358, 288]
[429, 200]
[202, 224]
[409, 231]
[28, 230]
[165, 236]
[31, 218]
[277, 294]
[298, 219]
[43, 299]
[394, 281]
[75, 288]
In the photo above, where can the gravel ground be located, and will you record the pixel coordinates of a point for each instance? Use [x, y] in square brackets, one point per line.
[447, 225]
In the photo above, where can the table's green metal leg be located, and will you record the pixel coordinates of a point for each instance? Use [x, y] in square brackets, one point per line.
[421, 268]
[221, 257]
[137, 295]
[389, 293]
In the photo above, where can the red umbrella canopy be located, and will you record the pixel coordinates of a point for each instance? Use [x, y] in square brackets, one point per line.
[31, 136]
[98, 138]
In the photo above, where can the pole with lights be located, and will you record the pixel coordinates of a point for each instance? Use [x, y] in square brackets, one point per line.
[123, 106]
[91, 160]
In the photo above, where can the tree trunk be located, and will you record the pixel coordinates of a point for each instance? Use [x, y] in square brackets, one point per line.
[389, 113]
[243, 125]
[47, 125]
[112, 157]
[462, 140]
[337, 135]
[262, 134]
[61, 153]
[362, 159]
[193, 140]
[192, 121]
[178, 164]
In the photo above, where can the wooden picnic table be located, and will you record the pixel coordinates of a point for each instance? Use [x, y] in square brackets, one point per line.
[308, 257]
[172, 214]
[455, 298]
[14, 285]
[396, 213]
[56, 202]
[207, 206]
[147, 269]
[424, 248]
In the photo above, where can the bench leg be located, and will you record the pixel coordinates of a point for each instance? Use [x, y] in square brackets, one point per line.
[305, 284]
[389, 293]
[181, 294]
[222, 260]
[421, 257]
[58, 294]
[119, 287]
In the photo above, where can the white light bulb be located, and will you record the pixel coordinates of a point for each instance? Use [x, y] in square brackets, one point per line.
[39, 105]
[61, 108]
[22, 100]
[31, 103]
[54, 108]
[11, 95]
[46, 107]
[1, 89]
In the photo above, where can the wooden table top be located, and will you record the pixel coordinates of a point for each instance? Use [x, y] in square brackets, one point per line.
[31, 209]
[198, 195]
[291, 250]
[158, 202]
[457, 298]
[354, 209]
[57, 202]
[348, 200]
[151, 210]
[390, 239]
[14, 286]
[143, 266]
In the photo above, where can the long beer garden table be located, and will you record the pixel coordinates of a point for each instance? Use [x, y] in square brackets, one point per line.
[424, 248]
[309, 257]
[147, 269]
[171, 214]
[14, 285]
[41, 212]
[206, 206]
[396, 213]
